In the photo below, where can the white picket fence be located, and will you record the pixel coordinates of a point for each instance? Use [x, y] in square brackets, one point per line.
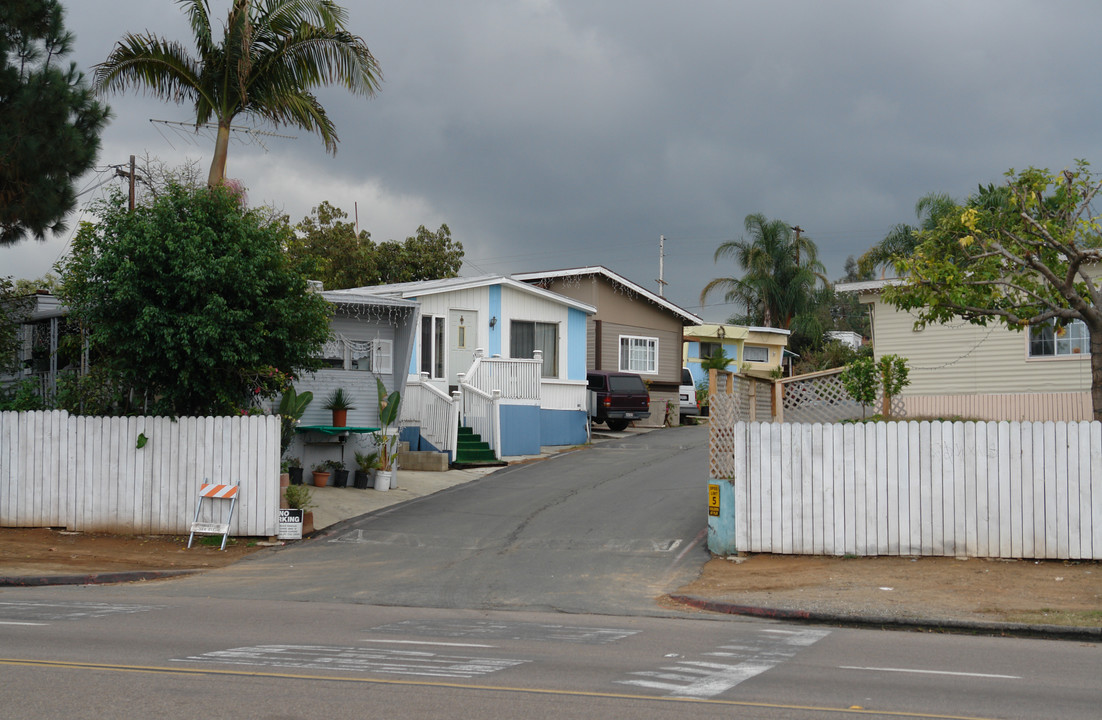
[977, 489]
[88, 473]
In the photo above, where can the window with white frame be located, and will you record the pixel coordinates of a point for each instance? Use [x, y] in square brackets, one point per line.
[432, 346]
[755, 353]
[345, 353]
[525, 337]
[1059, 339]
[638, 354]
[376, 356]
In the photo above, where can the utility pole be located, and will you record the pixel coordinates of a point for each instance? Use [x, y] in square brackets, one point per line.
[661, 265]
[797, 229]
[131, 183]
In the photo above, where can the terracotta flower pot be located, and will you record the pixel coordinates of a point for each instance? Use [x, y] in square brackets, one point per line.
[321, 479]
[284, 479]
[340, 418]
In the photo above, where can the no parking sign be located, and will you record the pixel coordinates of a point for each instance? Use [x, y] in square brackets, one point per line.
[290, 524]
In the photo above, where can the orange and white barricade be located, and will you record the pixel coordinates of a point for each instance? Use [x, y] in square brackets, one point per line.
[213, 492]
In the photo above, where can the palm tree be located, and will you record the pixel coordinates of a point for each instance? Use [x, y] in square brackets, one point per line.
[272, 54]
[902, 239]
[781, 271]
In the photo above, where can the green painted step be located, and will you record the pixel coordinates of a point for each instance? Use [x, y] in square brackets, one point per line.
[470, 449]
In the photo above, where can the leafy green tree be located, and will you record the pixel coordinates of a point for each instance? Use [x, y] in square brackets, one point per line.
[272, 54]
[191, 304]
[335, 254]
[893, 373]
[1023, 256]
[49, 121]
[781, 271]
[860, 381]
[425, 256]
[902, 239]
[12, 312]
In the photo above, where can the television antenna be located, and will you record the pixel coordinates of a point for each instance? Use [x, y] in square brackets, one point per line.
[240, 133]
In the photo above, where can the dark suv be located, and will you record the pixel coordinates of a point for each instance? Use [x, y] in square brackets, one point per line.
[619, 398]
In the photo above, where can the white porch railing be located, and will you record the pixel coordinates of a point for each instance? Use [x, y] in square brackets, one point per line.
[482, 413]
[517, 379]
[428, 407]
[482, 389]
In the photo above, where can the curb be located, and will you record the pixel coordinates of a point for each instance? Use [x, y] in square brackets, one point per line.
[92, 578]
[1022, 630]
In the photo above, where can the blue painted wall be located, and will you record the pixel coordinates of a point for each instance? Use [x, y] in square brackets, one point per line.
[721, 529]
[520, 430]
[576, 346]
[494, 346]
[563, 427]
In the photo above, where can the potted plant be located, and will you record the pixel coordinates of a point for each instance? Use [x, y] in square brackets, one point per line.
[297, 497]
[385, 439]
[368, 464]
[339, 402]
[294, 470]
[291, 407]
[321, 474]
[339, 472]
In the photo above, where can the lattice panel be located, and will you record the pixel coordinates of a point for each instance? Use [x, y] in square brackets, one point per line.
[822, 398]
[723, 412]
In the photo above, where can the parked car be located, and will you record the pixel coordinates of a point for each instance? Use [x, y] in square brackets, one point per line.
[687, 394]
[618, 398]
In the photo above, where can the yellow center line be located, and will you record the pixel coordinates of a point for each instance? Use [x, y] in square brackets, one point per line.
[65, 665]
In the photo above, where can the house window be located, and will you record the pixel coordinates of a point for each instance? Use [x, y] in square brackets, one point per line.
[638, 354]
[1059, 339]
[755, 353]
[527, 337]
[375, 356]
[707, 349]
[432, 346]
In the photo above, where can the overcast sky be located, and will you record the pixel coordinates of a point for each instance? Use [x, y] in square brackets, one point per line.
[560, 133]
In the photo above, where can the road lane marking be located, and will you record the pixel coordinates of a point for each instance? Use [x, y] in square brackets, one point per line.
[497, 630]
[45, 612]
[439, 684]
[426, 642]
[702, 679]
[12, 622]
[355, 659]
[931, 672]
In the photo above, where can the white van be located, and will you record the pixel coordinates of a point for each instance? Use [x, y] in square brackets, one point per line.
[687, 393]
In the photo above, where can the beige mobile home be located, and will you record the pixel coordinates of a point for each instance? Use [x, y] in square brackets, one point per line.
[983, 373]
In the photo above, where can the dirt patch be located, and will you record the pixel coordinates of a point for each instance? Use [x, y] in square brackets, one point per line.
[46, 551]
[1025, 591]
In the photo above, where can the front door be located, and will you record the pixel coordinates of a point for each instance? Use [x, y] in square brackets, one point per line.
[462, 338]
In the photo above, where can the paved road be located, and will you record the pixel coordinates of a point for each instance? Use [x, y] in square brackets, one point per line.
[119, 652]
[605, 529]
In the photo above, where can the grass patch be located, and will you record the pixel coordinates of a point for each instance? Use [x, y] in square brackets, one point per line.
[1048, 616]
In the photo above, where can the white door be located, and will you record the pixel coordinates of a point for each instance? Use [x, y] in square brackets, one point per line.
[462, 338]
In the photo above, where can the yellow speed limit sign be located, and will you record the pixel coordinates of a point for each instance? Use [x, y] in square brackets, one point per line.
[713, 500]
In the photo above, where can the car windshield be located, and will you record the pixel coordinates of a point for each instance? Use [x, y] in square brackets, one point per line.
[626, 384]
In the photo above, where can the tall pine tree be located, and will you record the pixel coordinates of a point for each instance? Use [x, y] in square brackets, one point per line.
[49, 121]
